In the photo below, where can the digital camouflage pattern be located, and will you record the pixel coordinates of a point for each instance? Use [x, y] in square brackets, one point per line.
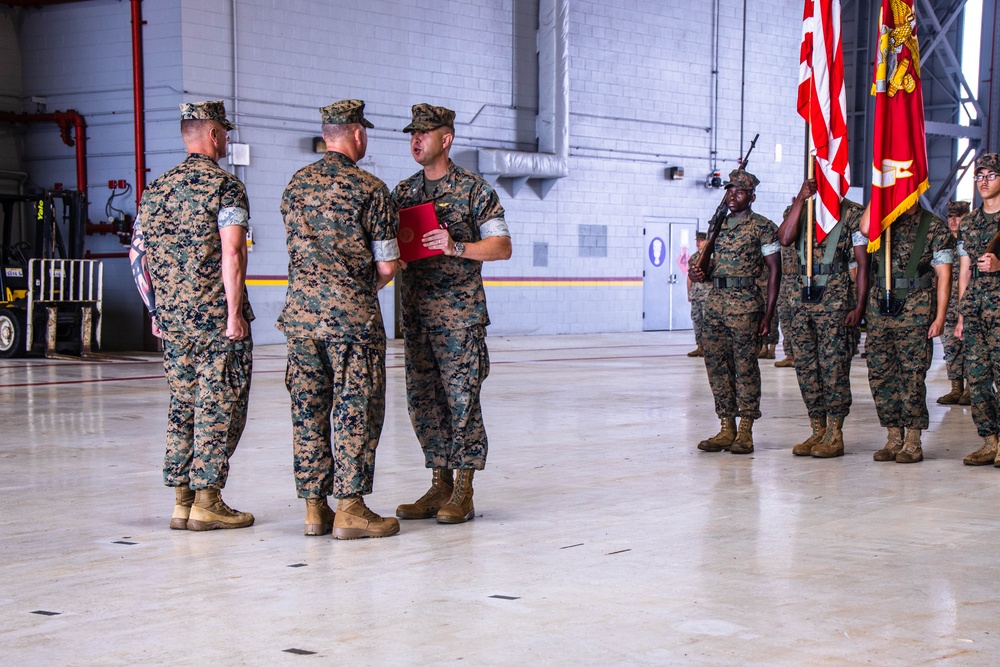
[954, 347]
[980, 309]
[921, 303]
[733, 314]
[345, 112]
[697, 294]
[208, 375]
[338, 408]
[209, 379]
[179, 218]
[442, 292]
[339, 221]
[429, 117]
[898, 350]
[824, 345]
[212, 110]
[445, 371]
[444, 321]
[337, 216]
[789, 265]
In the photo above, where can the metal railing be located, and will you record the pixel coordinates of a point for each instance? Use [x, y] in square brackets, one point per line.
[58, 282]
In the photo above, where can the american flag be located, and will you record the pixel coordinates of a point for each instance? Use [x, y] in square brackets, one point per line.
[822, 102]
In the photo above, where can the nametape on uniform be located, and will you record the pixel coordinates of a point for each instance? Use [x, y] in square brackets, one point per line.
[414, 222]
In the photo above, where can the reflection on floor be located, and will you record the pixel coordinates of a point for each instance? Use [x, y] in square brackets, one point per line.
[602, 535]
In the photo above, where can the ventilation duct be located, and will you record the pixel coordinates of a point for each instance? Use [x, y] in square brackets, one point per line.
[551, 162]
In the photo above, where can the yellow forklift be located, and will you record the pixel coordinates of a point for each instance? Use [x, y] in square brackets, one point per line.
[50, 298]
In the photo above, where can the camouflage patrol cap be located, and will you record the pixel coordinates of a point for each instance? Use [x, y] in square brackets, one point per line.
[701, 236]
[344, 112]
[957, 209]
[427, 117]
[740, 178]
[213, 110]
[989, 161]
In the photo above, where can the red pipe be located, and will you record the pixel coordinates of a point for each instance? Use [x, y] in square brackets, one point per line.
[64, 119]
[139, 102]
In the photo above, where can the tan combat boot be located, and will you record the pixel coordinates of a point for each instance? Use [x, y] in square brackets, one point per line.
[833, 441]
[911, 452]
[965, 399]
[892, 446]
[985, 455]
[787, 362]
[210, 512]
[743, 443]
[721, 440]
[354, 520]
[428, 505]
[766, 352]
[818, 425]
[459, 507]
[183, 499]
[319, 517]
[955, 395]
[697, 352]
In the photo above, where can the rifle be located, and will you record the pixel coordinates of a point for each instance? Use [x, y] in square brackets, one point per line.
[715, 224]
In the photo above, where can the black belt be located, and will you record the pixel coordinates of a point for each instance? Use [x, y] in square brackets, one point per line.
[734, 282]
[906, 283]
[825, 269]
[976, 273]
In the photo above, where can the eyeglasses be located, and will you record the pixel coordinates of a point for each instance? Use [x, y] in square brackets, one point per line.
[979, 178]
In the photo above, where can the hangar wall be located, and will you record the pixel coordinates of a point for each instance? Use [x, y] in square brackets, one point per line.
[641, 99]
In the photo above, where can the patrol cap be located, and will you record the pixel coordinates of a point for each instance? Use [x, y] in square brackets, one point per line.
[957, 209]
[344, 112]
[989, 161]
[428, 117]
[213, 110]
[740, 178]
[701, 236]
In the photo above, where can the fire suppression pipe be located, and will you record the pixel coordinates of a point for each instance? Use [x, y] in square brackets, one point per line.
[139, 102]
[65, 120]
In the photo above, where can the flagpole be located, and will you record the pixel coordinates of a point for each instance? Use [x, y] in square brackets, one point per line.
[810, 174]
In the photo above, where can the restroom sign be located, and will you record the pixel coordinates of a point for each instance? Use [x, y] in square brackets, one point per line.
[657, 251]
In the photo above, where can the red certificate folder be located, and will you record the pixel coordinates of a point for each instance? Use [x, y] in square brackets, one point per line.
[414, 222]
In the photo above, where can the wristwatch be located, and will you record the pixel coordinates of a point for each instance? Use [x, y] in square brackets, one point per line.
[459, 248]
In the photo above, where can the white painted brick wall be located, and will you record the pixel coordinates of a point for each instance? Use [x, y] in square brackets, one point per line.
[640, 101]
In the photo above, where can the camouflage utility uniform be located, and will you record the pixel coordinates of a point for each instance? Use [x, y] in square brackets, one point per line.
[823, 343]
[786, 295]
[444, 322]
[179, 217]
[899, 351]
[980, 310]
[954, 348]
[339, 221]
[697, 293]
[733, 310]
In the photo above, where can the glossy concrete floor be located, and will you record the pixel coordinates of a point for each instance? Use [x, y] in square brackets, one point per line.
[602, 536]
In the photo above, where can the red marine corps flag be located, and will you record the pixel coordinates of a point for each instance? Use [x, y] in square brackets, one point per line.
[899, 167]
[822, 102]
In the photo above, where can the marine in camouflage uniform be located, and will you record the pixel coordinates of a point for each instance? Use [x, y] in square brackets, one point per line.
[696, 297]
[789, 267]
[737, 315]
[189, 263]
[899, 348]
[979, 310]
[954, 351]
[821, 325]
[340, 227]
[445, 316]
